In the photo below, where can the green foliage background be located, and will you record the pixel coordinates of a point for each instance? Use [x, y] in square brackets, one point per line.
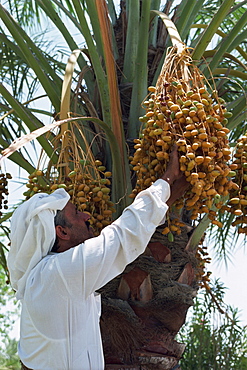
[214, 336]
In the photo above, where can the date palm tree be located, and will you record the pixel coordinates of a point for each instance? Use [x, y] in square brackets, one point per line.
[114, 52]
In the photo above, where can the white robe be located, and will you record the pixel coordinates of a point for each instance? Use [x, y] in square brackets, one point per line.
[60, 309]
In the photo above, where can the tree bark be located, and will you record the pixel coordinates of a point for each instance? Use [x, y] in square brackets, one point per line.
[144, 308]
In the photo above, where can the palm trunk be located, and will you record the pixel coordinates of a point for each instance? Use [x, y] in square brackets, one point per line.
[145, 307]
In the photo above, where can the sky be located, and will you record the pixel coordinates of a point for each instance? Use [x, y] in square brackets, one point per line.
[234, 277]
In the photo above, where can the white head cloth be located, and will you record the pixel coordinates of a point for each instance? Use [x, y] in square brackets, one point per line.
[32, 235]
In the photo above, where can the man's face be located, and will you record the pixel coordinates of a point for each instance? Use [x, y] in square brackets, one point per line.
[80, 229]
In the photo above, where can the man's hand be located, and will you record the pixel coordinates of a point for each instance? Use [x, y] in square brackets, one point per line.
[175, 178]
[178, 188]
[173, 169]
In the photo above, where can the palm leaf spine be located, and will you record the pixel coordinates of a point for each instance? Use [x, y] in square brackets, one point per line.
[96, 27]
[18, 159]
[132, 39]
[241, 37]
[36, 50]
[155, 5]
[222, 34]
[226, 42]
[211, 53]
[240, 100]
[112, 11]
[97, 66]
[60, 25]
[181, 15]
[193, 13]
[238, 114]
[211, 29]
[185, 9]
[115, 107]
[139, 90]
[30, 120]
[230, 72]
[18, 35]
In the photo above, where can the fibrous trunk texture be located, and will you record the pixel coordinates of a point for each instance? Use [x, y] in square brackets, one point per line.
[144, 308]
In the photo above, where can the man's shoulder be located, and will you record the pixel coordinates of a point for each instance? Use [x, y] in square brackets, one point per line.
[47, 262]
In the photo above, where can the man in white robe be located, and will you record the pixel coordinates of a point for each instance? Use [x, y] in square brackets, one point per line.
[60, 309]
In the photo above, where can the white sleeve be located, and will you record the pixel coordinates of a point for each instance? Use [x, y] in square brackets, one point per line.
[92, 264]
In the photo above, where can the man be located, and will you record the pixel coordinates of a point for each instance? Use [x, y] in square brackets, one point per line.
[56, 270]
